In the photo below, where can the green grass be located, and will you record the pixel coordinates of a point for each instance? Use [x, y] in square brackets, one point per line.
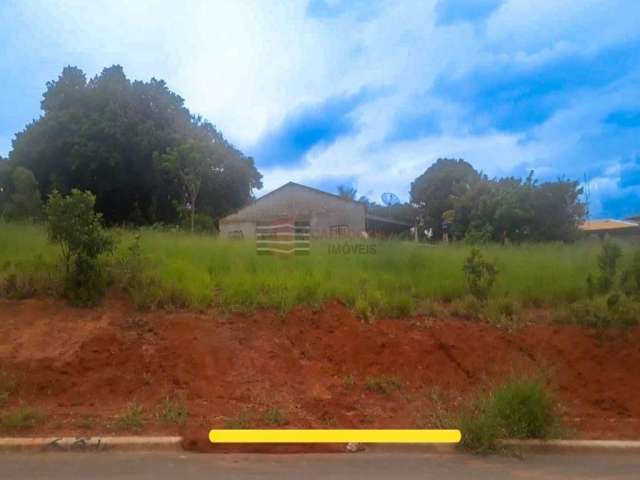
[173, 411]
[176, 269]
[131, 419]
[274, 416]
[21, 418]
[521, 408]
[384, 384]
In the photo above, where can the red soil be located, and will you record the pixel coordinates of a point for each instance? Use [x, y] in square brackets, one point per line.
[83, 367]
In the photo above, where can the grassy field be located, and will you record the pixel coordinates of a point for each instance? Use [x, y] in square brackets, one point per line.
[197, 271]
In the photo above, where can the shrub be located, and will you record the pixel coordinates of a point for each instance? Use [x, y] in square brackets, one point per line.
[614, 311]
[75, 227]
[631, 276]
[608, 259]
[520, 408]
[479, 274]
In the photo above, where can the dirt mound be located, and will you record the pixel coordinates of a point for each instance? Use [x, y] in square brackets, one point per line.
[310, 368]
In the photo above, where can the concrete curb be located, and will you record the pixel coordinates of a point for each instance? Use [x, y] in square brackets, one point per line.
[89, 444]
[560, 446]
[160, 443]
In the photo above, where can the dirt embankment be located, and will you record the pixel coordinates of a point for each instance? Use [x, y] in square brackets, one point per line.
[310, 368]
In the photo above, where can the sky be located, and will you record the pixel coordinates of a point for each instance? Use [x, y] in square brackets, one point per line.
[366, 93]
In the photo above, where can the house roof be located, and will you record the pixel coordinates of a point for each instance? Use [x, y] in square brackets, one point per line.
[294, 184]
[235, 215]
[607, 224]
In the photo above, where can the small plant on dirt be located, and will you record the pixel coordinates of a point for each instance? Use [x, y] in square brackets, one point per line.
[480, 274]
[239, 422]
[87, 422]
[520, 408]
[383, 384]
[20, 419]
[8, 386]
[349, 381]
[173, 411]
[274, 416]
[504, 312]
[76, 228]
[468, 308]
[131, 419]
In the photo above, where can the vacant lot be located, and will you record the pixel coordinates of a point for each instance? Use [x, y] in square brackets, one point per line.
[181, 270]
[115, 369]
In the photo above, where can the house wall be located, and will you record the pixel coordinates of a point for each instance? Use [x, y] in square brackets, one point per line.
[300, 204]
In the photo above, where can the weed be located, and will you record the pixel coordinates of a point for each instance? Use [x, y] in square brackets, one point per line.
[520, 408]
[131, 419]
[350, 381]
[383, 384]
[274, 416]
[239, 422]
[8, 386]
[22, 418]
[468, 307]
[173, 411]
[87, 422]
[504, 312]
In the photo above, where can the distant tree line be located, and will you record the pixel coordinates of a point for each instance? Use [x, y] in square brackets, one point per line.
[452, 196]
[135, 145]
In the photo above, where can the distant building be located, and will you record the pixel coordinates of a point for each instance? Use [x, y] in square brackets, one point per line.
[327, 215]
[608, 227]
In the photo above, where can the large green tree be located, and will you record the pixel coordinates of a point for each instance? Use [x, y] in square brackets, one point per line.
[105, 135]
[434, 190]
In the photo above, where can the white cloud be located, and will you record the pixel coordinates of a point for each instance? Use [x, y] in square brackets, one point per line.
[246, 64]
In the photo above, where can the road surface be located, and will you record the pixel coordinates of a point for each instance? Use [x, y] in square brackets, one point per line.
[372, 466]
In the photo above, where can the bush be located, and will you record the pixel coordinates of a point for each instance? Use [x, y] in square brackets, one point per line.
[480, 274]
[614, 311]
[608, 259]
[76, 228]
[520, 408]
[630, 280]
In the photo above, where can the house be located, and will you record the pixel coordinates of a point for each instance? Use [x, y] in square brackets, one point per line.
[609, 227]
[325, 215]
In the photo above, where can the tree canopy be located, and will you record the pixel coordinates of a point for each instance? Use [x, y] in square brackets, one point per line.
[480, 209]
[433, 191]
[111, 136]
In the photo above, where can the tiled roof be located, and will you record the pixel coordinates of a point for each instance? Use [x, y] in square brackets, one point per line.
[607, 224]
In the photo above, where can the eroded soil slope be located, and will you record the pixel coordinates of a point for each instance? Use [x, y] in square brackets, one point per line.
[310, 368]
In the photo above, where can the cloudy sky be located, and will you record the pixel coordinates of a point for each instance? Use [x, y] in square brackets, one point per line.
[366, 92]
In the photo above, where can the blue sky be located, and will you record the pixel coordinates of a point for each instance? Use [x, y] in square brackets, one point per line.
[366, 92]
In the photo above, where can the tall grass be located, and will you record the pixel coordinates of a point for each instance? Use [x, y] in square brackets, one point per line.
[196, 271]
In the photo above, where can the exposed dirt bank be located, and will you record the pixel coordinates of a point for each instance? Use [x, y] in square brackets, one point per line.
[310, 368]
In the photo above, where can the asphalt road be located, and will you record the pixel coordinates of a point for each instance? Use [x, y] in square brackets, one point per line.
[372, 466]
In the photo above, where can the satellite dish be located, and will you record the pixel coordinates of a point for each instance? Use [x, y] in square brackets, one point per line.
[390, 199]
